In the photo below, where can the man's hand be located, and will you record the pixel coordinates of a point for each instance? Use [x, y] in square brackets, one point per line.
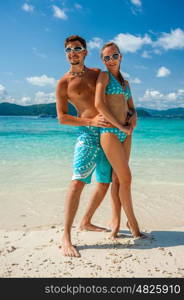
[100, 121]
[132, 119]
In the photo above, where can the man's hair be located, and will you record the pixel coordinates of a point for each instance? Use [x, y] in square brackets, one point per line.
[74, 38]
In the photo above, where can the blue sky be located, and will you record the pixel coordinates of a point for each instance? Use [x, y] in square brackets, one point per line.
[150, 34]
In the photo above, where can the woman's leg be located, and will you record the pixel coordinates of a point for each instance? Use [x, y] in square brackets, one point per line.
[115, 200]
[118, 159]
[114, 224]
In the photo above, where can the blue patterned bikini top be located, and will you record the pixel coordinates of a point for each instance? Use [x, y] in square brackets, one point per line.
[114, 87]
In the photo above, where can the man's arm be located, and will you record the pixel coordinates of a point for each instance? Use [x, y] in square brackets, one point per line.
[62, 109]
[132, 117]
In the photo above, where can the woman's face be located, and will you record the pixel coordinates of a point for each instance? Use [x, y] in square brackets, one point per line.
[111, 58]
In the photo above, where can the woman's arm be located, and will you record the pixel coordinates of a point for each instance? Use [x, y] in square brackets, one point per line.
[102, 82]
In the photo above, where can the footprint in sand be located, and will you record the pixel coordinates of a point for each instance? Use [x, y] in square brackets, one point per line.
[11, 249]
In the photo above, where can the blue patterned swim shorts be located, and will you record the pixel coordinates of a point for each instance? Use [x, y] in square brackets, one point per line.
[89, 156]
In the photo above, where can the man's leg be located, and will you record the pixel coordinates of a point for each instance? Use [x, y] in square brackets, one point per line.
[86, 153]
[71, 205]
[103, 178]
[95, 201]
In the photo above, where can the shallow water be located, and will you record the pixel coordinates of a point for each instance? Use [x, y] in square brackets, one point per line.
[36, 168]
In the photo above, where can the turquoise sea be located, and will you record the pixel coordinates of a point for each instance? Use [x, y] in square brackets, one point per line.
[36, 165]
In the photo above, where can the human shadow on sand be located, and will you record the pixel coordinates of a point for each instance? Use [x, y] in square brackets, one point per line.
[154, 239]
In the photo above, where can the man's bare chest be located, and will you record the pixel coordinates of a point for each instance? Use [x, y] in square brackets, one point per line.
[81, 85]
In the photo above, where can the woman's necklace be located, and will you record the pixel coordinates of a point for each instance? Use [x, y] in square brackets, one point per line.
[77, 73]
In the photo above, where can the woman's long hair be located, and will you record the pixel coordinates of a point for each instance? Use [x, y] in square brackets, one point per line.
[109, 44]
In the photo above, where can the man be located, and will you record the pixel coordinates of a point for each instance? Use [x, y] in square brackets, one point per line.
[78, 87]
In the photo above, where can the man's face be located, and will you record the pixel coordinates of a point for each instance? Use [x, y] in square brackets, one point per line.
[76, 57]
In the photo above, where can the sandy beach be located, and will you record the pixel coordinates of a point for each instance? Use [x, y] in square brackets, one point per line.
[37, 254]
[31, 235]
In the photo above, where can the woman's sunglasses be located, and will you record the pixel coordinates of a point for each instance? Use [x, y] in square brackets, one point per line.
[114, 56]
[75, 49]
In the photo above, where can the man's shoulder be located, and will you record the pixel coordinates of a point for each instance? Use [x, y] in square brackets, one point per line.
[94, 70]
[63, 81]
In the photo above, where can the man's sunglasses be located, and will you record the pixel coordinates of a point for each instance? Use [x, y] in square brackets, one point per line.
[114, 56]
[75, 49]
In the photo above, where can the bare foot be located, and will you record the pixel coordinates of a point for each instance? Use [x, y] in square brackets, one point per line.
[136, 234]
[141, 236]
[114, 235]
[91, 227]
[67, 249]
[113, 227]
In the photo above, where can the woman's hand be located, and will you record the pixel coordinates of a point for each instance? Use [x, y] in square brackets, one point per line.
[127, 129]
[132, 119]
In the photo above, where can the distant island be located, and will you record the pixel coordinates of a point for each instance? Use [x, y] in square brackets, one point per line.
[41, 110]
[49, 110]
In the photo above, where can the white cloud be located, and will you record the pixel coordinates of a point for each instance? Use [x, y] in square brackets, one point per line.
[163, 72]
[135, 80]
[41, 97]
[157, 51]
[166, 41]
[96, 42]
[146, 54]
[131, 80]
[38, 98]
[131, 43]
[42, 80]
[157, 100]
[152, 94]
[78, 6]
[173, 40]
[172, 96]
[136, 6]
[59, 13]
[27, 7]
[4, 97]
[25, 100]
[125, 75]
[136, 2]
[3, 91]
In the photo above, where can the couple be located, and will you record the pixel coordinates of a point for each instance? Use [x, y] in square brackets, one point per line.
[106, 119]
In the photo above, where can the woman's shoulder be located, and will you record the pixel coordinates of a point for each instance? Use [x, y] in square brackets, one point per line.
[104, 75]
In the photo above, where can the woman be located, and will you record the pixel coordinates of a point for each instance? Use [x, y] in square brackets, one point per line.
[113, 100]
